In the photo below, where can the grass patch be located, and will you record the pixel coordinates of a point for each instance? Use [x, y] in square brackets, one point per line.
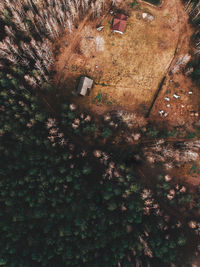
[190, 135]
[194, 169]
[103, 99]
[166, 134]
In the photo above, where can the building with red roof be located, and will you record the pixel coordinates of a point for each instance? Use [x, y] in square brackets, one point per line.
[119, 23]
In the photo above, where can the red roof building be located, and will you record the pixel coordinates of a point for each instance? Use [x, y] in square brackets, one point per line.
[119, 23]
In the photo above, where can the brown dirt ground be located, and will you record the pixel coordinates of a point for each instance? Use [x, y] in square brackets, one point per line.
[185, 174]
[130, 65]
[181, 111]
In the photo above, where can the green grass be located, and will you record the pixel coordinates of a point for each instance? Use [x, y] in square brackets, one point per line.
[103, 98]
[190, 135]
[194, 169]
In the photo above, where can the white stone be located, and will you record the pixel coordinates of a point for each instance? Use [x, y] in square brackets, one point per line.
[100, 28]
[176, 96]
[161, 112]
[144, 15]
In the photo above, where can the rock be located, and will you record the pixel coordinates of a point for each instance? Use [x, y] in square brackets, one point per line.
[176, 96]
[147, 16]
[188, 71]
[144, 15]
[100, 28]
[166, 114]
[161, 112]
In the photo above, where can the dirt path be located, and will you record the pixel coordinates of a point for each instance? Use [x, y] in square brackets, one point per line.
[74, 40]
[69, 49]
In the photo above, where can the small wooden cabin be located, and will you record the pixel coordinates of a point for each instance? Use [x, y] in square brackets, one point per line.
[84, 84]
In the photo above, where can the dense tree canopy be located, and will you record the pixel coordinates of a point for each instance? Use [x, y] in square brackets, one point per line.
[62, 203]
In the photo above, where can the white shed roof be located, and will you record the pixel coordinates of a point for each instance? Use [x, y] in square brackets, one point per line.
[84, 84]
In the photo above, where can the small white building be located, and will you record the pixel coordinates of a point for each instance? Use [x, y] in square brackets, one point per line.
[84, 84]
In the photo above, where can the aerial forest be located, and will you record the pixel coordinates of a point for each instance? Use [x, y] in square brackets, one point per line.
[70, 196]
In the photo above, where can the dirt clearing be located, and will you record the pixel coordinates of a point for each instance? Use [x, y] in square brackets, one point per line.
[126, 69]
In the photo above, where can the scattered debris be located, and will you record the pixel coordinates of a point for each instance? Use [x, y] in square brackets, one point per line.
[144, 15]
[193, 113]
[161, 112]
[166, 114]
[168, 105]
[176, 96]
[147, 16]
[100, 28]
[167, 98]
[189, 71]
[190, 92]
[181, 63]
